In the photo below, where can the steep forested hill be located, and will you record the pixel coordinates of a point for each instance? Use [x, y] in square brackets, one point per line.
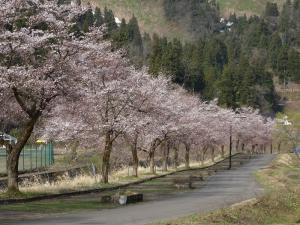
[233, 58]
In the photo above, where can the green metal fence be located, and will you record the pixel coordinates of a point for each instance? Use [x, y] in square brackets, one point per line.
[32, 157]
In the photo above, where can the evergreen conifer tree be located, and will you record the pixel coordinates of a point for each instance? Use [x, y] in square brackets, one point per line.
[282, 65]
[120, 38]
[155, 56]
[135, 41]
[193, 74]
[274, 48]
[271, 9]
[228, 87]
[98, 17]
[247, 87]
[147, 42]
[216, 53]
[110, 21]
[88, 20]
[85, 26]
[294, 65]
[176, 68]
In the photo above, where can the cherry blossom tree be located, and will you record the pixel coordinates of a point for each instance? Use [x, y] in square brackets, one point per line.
[145, 109]
[118, 101]
[38, 66]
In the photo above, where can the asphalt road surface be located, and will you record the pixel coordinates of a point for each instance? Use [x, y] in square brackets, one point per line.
[220, 190]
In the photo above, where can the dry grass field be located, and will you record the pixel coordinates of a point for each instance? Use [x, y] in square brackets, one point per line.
[151, 15]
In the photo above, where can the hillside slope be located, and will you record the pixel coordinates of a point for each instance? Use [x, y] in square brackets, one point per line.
[151, 13]
[248, 7]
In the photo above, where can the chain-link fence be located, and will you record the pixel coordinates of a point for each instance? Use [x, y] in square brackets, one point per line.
[32, 157]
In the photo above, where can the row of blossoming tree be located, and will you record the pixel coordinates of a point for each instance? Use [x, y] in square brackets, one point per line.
[74, 87]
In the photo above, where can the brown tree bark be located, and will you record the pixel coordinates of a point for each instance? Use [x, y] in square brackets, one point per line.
[135, 159]
[243, 147]
[176, 152]
[213, 154]
[34, 111]
[12, 171]
[74, 146]
[237, 146]
[187, 155]
[252, 149]
[153, 147]
[152, 162]
[223, 151]
[166, 151]
[106, 157]
[203, 155]
[279, 147]
[271, 148]
[13, 154]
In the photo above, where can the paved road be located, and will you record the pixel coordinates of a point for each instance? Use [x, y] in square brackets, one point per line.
[220, 190]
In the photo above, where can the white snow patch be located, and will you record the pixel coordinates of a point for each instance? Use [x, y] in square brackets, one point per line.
[118, 21]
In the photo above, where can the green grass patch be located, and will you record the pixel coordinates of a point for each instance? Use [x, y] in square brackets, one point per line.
[19, 195]
[58, 206]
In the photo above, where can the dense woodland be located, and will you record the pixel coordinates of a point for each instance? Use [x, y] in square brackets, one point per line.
[234, 59]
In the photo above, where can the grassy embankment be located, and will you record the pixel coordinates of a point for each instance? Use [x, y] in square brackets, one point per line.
[292, 104]
[280, 204]
[248, 7]
[151, 15]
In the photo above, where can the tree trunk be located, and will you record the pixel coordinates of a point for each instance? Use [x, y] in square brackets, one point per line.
[74, 147]
[237, 146]
[12, 171]
[135, 159]
[271, 148]
[106, 158]
[203, 155]
[198, 156]
[223, 151]
[213, 154]
[152, 162]
[13, 155]
[252, 149]
[166, 150]
[279, 147]
[153, 147]
[243, 147]
[176, 151]
[187, 155]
